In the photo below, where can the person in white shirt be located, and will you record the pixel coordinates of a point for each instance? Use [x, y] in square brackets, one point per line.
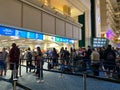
[95, 61]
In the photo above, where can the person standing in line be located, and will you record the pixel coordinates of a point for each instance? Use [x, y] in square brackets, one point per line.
[109, 62]
[66, 56]
[5, 54]
[1, 64]
[39, 63]
[14, 55]
[95, 62]
[88, 56]
[62, 55]
[29, 60]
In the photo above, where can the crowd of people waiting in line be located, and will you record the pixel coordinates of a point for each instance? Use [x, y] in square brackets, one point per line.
[88, 58]
[11, 60]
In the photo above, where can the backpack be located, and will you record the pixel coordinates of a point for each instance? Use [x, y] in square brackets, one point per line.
[110, 56]
[29, 55]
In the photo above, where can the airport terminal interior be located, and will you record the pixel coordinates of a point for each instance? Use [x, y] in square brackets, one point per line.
[59, 44]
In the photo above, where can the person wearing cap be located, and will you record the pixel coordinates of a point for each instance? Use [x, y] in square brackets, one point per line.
[14, 55]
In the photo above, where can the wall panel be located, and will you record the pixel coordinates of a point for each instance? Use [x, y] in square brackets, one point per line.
[10, 12]
[75, 32]
[80, 34]
[48, 23]
[69, 33]
[31, 18]
[60, 27]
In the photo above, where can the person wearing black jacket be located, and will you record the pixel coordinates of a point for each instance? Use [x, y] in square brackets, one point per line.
[109, 61]
[88, 56]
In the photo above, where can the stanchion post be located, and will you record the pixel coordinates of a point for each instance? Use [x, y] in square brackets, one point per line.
[14, 85]
[41, 72]
[62, 68]
[84, 80]
[20, 68]
[14, 77]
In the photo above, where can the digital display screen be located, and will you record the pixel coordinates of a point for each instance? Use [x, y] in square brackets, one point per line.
[61, 39]
[99, 42]
[31, 35]
[71, 41]
[95, 39]
[57, 39]
[21, 34]
[7, 31]
[39, 36]
[66, 40]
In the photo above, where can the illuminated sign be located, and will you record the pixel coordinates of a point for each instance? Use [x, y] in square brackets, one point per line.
[7, 31]
[64, 40]
[31, 35]
[21, 34]
[39, 36]
[57, 39]
[110, 34]
[70, 41]
[119, 45]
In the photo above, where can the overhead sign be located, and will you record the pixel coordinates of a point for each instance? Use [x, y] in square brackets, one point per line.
[21, 34]
[39, 36]
[31, 35]
[7, 31]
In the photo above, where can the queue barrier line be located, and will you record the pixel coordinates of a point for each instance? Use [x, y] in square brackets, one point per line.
[85, 75]
[70, 72]
[73, 66]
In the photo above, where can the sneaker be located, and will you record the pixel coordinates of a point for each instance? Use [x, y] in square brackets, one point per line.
[40, 81]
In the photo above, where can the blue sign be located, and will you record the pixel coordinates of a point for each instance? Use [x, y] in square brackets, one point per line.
[31, 35]
[39, 36]
[63, 40]
[21, 34]
[71, 41]
[7, 31]
[57, 39]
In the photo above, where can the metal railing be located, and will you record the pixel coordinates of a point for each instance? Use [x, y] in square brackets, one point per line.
[83, 72]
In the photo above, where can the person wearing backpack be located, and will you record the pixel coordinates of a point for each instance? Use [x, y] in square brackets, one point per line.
[109, 61]
[29, 59]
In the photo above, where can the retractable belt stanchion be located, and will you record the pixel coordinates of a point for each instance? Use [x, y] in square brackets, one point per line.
[41, 72]
[14, 77]
[84, 80]
[62, 69]
[20, 68]
[61, 75]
